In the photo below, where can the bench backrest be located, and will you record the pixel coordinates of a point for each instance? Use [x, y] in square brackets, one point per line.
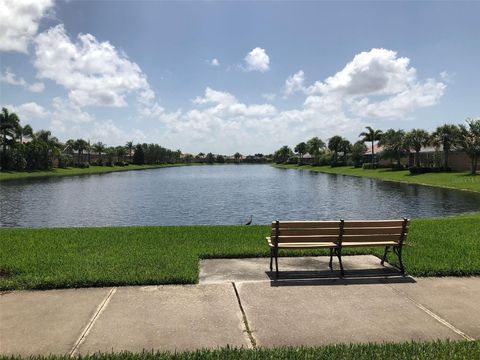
[375, 230]
[339, 231]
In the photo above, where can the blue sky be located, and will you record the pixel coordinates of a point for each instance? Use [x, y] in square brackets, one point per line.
[237, 76]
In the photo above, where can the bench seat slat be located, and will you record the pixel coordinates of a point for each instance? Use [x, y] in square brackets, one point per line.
[369, 244]
[310, 245]
[305, 239]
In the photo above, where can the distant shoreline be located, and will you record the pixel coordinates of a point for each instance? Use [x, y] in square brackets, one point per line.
[72, 171]
[448, 180]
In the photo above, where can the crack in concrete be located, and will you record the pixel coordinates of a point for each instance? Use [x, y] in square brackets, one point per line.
[245, 320]
[432, 314]
[94, 318]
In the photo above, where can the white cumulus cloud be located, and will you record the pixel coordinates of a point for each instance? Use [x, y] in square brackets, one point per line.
[93, 72]
[295, 83]
[19, 21]
[214, 62]
[376, 83]
[12, 79]
[28, 111]
[257, 60]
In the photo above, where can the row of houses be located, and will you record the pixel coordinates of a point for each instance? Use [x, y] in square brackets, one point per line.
[428, 157]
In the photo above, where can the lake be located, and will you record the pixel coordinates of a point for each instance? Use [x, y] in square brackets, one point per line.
[219, 194]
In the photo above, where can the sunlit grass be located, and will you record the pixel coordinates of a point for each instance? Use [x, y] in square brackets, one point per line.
[105, 256]
[437, 350]
[455, 180]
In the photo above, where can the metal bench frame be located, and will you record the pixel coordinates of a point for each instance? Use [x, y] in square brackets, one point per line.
[337, 249]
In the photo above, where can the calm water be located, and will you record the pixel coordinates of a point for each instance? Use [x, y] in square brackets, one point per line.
[218, 195]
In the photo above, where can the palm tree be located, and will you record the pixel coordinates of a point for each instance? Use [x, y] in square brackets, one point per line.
[470, 141]
[9, 123]
[371, 135]
[52, 145]
[80, 145]
[129, 146]
[358, 152]
[301, 149]
[393, 143]
[282, 154]
[334, 144]
[120, 151]
[237, 156]
[23, 132]
[446, 136]
[315, 146]
[415, 139]
[99, 148]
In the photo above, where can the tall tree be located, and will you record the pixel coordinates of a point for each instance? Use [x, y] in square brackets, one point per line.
[9, 124]
[315, 146]
[371, 135]
[23, 132]
[99, 148]
[334, 145]
[469, 141]
[358, 152]
[129, 146]
[393, 143]
[446, 136]
[139, 155]
[301, 149]
[236, 156]
[80, 145]
[282, 154]
[416, 139]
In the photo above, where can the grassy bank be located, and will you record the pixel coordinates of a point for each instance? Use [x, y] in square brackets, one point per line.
[82, 257]
[438, 350]
[19, 175]
[454, 180]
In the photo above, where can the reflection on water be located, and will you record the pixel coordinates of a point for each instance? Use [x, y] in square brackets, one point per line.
[226, 194]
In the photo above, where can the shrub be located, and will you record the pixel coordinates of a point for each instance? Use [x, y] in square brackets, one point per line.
[83, 165]
[65, 160]
[370, 166]
[423, 170]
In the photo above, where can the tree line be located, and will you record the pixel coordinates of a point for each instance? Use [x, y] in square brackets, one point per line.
[23, 149]
[396, 144]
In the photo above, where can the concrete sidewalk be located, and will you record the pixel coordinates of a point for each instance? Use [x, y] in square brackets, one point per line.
[238, 304]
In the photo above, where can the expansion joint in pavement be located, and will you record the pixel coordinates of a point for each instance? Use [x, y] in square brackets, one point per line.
[94, 318]
[253, 342]
[432, 314]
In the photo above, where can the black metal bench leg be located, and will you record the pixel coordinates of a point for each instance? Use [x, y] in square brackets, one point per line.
[271, 259]
[331, 258]
[339, 255]
[276, 262]
[399, 254]
[384, 255]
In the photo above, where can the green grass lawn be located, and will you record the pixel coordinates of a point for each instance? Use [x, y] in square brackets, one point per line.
[19, 175]
[106, 256]
[437, 350]
[455, 180]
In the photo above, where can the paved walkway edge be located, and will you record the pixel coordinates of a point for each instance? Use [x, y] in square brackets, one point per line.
[432, 314]
[90, 324]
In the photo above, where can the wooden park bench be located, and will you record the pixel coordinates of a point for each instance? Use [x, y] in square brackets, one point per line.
[337, 235]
